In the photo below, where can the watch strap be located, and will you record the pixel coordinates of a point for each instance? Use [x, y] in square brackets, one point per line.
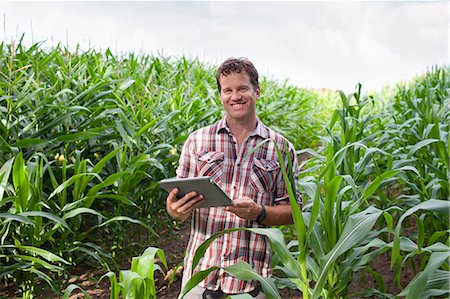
[261, 215]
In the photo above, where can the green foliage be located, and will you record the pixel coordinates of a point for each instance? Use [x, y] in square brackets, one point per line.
[375, 170]
[138, 282]
[86, 135]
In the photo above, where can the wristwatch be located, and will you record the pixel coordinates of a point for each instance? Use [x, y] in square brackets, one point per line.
[261, 215]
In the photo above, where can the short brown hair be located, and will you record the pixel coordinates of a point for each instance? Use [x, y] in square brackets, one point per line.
[237, 65]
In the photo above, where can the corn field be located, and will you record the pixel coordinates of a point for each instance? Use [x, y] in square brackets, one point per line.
[86, 136]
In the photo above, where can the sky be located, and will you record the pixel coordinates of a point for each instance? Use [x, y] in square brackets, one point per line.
[309, 44]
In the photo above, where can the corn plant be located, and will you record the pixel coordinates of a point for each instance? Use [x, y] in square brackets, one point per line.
[26, 226]
[33, 220]
[139, 282]
[421, 117]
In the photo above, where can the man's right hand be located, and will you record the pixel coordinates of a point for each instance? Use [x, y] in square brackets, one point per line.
[180, 209]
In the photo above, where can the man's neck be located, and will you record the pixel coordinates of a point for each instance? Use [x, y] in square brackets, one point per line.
[241, 129]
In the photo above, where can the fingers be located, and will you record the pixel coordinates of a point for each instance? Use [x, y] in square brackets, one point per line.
[181, 208]
[245, 208]
[187, 203]
[172, 195]
[245, 202]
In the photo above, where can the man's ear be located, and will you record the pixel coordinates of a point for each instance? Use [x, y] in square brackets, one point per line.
[258, 92]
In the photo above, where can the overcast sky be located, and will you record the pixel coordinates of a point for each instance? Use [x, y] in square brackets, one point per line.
[311, 44]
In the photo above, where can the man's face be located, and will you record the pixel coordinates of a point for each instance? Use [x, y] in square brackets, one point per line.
[238, 97]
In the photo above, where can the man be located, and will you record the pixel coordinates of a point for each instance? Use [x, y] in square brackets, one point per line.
[253, 181]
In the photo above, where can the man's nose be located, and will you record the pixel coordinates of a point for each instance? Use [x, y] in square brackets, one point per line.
[235, 96]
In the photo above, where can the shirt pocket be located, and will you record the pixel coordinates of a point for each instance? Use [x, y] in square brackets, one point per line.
[264, 174]
[210, 164]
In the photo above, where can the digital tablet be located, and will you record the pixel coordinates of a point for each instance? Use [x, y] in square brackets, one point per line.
[213, 195]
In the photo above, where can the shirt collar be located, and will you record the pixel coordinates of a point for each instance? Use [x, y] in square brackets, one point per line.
[260, 129]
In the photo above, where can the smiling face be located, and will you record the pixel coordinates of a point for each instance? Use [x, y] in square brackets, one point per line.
[238, 97]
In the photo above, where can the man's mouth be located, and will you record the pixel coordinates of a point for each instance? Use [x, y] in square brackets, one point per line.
[237, 104]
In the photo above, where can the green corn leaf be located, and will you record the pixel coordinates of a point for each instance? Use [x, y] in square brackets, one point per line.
[349, 179]
[15, 217]
[72, 287]
[355, 231]
[144, 265]
[372, 187]
[30, 142]
[309, 187]
[389, 221]
[432, 205]
[313, 229]
[151, 251]
[437, 235]
[4, 144]
[132, 284]
[125, 84]
[243, 271]
[92, 253]
[40, 275]
[21, 183]
[331, 190]
[119, 198]
[296, 212]
[39, 262]
[47, 215]
[373, 293]
[316, 239]
[70, 181]
[49, 256]
[114, 286]
[100, 164]
[113, 178]
[5, 172]
[420, 233]
[421, 144]
[80, 211]
[440, 280]
[379, 279]
[195, 280]
[419, 284]
[125, 218]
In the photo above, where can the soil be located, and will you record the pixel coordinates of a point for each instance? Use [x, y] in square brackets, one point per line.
[174, 244]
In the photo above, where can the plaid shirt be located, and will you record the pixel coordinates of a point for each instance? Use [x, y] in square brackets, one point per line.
[212, 151]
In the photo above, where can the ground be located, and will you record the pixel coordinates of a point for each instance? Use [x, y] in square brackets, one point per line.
[174, 243]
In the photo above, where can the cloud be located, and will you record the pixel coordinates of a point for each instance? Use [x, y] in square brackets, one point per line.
[313, 44]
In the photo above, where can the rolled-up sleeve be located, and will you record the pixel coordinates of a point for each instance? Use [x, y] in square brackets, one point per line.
[187, 163]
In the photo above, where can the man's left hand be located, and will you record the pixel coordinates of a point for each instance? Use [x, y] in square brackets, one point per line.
[245, 208]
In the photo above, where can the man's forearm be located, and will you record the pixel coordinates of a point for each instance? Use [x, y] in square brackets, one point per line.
[278, 215]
